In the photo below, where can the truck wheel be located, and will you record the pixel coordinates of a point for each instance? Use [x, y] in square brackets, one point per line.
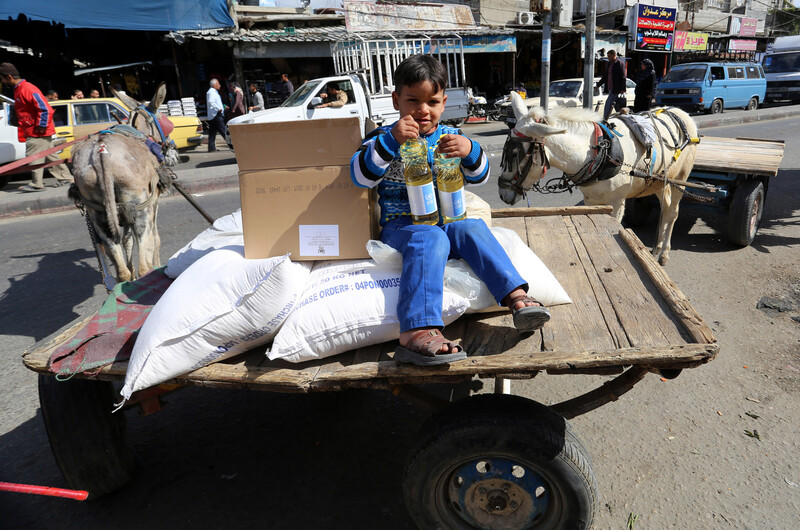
[637, 211]
[745, 214]
[752, 104]
[716, 107]
[499, 461]
[87, 440]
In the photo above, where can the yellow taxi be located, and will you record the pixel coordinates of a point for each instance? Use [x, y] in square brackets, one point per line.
[74, 118]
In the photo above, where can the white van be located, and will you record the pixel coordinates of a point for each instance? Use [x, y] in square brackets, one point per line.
[782, 68]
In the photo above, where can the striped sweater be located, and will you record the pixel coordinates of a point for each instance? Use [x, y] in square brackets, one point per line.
[377, 163]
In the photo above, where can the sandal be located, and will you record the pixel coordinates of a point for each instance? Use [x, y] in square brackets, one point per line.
[424, 349]
[528, 318]
[29, 188]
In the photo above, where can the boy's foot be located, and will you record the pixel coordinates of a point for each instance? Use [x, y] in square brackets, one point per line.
[428, 347]
[28, 188]
[528, 314]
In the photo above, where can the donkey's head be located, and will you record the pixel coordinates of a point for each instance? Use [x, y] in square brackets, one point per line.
[147, 119]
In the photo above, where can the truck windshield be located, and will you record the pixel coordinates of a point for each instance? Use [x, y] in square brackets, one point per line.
[687, 73]
[784, 62]
[565, 89]
[299, 95]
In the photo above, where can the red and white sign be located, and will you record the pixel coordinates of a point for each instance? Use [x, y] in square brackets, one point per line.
[741, 45]
[743, 27]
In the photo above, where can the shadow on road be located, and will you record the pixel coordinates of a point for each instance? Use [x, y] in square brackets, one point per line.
[46, 299]
[220, 162]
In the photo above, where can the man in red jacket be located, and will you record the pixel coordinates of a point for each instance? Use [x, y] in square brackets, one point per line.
[34, 125]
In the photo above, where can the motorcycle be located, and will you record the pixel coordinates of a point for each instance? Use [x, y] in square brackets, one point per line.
[480, 110]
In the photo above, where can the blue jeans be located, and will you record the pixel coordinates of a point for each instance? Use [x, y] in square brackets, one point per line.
[612, 98]
[426, 249]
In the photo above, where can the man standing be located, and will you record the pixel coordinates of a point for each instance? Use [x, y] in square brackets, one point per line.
[258, 99]
[286, 87]
[614, 81]
[334, 96]
[215, 111]
[34, 126]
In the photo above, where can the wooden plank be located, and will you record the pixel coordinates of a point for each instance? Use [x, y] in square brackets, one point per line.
[580, 324]
[550, 210]
[36, 358]
[633, 301]
[760, 157]
[679, 303]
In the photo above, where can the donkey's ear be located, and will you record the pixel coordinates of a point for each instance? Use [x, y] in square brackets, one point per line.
[518, 104]
[126, 99]
[532, 129]
[158, 98]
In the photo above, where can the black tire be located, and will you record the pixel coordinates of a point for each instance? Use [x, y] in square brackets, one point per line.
[4, 180]
[752, 104]
[87, 440]
[637, 211]
[457, 122]
[717, 107]
[745, 214]
[481, 462]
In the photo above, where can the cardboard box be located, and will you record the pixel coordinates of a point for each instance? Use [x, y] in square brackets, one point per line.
[296, 191]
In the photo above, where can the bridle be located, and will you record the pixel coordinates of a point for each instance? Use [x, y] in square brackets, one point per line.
[533, 151]
[152, 122]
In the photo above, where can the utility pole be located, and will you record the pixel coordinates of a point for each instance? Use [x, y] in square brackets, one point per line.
[546, 40]
[588, 53]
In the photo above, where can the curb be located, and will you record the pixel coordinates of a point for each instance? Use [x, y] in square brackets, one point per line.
[749, 117]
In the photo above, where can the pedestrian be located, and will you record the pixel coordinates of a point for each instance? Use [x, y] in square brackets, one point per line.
[77, 94]
[286, 87]
[94, 93]
[614, 81]
[258, 99]
[34, 126]
[645, 87]
[51, 95]
[237, 99]
[334, 97]
[215, 112]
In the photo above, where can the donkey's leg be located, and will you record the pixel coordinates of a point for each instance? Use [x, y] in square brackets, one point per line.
[112, 249]
[128, 245]
[670, 200]
[146, 239]
[156, 237]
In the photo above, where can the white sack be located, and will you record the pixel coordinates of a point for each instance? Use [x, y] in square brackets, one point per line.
[477, 208]
[347, 305]
[226, 232]
[221, 306]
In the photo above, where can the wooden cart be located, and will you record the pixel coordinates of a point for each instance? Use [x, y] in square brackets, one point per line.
[739, 169]
[487, 461]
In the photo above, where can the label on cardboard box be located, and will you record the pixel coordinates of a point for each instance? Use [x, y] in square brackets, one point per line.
[319, 240]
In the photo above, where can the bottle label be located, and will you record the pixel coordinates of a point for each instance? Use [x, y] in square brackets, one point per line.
[422, 199]
[453, 203]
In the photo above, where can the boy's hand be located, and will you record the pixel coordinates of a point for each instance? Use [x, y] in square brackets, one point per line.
[454, 145]
[405, 129]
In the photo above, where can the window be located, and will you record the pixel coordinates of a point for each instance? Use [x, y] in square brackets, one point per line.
[60, 115]
[88, 113]
[753, 73]
[735, 72]
[117, 114]
[717, 72]
[686, 73]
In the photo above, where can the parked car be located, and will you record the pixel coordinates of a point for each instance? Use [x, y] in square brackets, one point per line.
[711, 87]
[78, 117]
[10, 147]
[568, 93]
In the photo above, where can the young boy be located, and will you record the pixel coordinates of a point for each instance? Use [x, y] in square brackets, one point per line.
[419, 95]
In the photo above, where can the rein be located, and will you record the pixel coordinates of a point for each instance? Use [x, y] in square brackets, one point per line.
[513, 142]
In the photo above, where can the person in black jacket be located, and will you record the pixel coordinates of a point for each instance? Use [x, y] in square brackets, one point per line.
[645, 87]
[614, 81]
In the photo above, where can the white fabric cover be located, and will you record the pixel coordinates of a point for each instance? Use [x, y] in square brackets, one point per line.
[222, 305]
[226, 232]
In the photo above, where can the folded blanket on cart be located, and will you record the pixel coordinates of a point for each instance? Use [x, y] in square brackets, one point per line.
[110, 334]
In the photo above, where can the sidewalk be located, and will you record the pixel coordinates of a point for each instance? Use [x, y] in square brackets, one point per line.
[14, 203]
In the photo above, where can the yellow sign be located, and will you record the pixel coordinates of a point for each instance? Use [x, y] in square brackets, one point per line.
[687, 40]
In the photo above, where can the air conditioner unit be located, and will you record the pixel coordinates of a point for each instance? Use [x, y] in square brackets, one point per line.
[526, 18]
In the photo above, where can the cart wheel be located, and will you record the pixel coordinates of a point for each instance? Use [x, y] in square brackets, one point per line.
[498, 461]
[637, 211]
[87, 440]
[745, 214]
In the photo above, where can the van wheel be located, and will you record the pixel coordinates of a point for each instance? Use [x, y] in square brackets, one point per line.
[716, 107]
[752, 104]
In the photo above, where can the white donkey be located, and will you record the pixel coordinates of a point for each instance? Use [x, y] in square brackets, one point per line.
[600, 161]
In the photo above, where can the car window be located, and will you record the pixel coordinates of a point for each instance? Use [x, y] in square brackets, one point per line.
[300, 94]
[735, 72]
[753, 73]
[687, 73]
[116, 113]
[629, 83]
[60, 116]
[717, 72]
[87, 113]
[347, 86]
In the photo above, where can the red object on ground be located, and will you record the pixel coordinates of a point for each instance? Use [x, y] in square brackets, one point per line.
[78, 495]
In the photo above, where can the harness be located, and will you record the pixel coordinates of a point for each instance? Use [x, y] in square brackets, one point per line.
[533, 152]
[607, 160]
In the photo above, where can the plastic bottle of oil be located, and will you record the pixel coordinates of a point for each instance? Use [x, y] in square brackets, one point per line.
[419, 182]
[450, 182]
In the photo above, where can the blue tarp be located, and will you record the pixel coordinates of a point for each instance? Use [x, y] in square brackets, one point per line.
[141, 15]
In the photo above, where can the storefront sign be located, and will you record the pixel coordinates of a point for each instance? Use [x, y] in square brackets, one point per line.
[654, 28]
[743, 27]
[362, 16]
[741, 45]
[687, 40]
[489, 43]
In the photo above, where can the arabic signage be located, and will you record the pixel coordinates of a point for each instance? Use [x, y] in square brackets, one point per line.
[743, 27]
[687, 40]
[742, 45]
[654, 28]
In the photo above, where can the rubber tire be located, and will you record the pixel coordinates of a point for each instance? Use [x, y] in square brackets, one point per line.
[748, 201]
[87, 440]
[717, 107]
[752, 104]
[500, 425]
[458, 123]
[4, 180]
[637, 211]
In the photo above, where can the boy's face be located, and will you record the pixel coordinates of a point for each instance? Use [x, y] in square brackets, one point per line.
[423, 102]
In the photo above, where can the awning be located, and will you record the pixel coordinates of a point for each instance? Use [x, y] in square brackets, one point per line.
[141, 15]
[82, 71]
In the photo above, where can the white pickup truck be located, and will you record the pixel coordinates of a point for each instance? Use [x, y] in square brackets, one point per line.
[364, 72]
